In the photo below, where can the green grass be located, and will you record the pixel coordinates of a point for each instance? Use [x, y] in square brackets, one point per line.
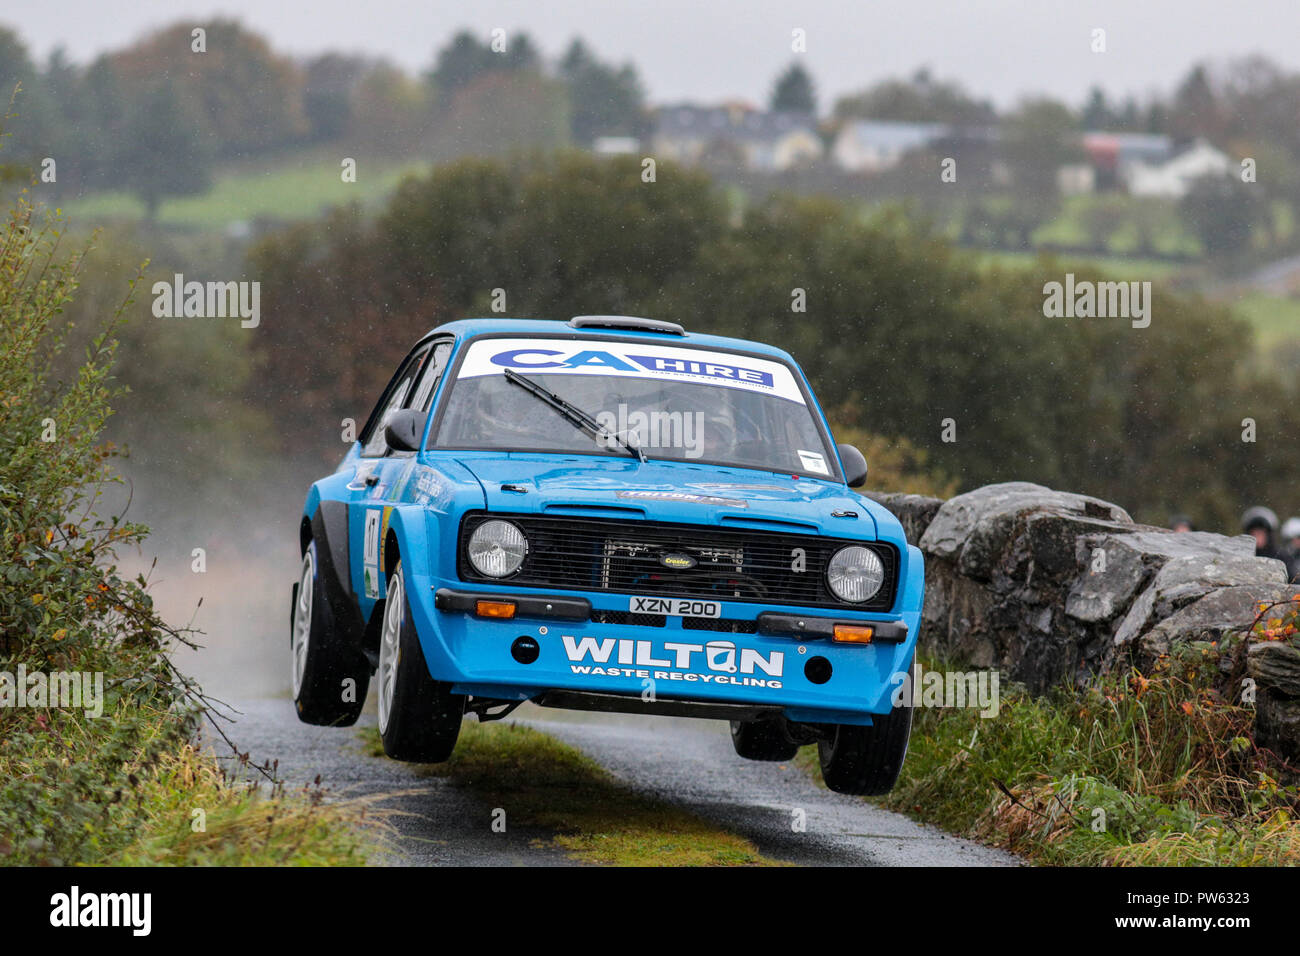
[298, 186]
[541, 782]
[1120, 267]
[1137, 770]
[1276, 320]
[126, 789]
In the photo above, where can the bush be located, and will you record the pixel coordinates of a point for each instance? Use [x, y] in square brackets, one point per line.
[64, 607]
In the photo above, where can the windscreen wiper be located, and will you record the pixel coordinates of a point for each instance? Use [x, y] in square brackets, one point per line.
[575, 415]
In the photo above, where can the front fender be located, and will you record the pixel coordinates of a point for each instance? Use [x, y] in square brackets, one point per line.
[413, 532]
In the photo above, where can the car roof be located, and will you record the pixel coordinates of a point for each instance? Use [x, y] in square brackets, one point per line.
[468, 328]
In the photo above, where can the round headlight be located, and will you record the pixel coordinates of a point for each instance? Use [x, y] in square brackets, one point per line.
[497, 548]
[855, 574]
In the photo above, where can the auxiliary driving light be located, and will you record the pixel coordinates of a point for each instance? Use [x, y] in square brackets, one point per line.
[498, 609]
[853, 634]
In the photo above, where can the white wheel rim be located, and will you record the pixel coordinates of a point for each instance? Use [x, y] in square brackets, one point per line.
[390, 648]
[302, 623]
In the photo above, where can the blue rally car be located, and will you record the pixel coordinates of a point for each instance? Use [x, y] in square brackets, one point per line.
[607, 514]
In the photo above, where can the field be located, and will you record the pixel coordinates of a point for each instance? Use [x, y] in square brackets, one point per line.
[298, 187]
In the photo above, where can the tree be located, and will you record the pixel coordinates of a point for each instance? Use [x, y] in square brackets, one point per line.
[1196, 110]
[1223, 212]
[330, 85]
[20, 80]
[922, 99]
[501, 112]
[605, 100]
[466, 58]
[163, 153]
[793, 92]
[1038, 139]
[390, 110]
[1097, 113]
[241, 95]
[103, 134]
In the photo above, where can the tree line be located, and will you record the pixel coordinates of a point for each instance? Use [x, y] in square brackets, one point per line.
[903, 336]
[159, 116]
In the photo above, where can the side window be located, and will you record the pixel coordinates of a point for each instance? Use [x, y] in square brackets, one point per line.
[428, 384]
[372, 442]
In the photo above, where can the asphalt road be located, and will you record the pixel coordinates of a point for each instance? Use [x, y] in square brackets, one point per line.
[686, 762]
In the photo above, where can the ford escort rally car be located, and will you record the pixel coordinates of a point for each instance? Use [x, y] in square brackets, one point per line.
[607, 514]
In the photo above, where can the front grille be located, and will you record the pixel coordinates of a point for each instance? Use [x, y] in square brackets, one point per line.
[625, 617]
[726, 625]
[606, 554]
[723, 624]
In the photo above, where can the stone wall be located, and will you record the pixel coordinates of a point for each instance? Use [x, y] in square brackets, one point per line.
[1053, 587]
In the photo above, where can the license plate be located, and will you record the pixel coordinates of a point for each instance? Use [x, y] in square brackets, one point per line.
[675, 607]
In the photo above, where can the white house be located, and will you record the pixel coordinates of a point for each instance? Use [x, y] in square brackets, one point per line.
[1174, 177]
[870, 146]
[615, 145]
[769, 142]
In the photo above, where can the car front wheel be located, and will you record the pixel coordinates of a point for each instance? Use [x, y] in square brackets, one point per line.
[762, 740]
[866, 760]
[419, 717]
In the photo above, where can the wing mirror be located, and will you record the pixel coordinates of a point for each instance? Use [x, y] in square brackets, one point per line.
[405, 428]
[855, 465]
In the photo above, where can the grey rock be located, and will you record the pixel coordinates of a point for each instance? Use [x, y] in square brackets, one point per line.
[1215, 616]
[1186, 578]
[1098, 596]
[1275, 665]
[1011, 583]
[953, 523]
[1277, 724]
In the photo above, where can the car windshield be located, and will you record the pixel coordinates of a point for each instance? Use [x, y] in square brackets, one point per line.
[676, 403]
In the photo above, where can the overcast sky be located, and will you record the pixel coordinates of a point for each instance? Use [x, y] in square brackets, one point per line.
[709, 50]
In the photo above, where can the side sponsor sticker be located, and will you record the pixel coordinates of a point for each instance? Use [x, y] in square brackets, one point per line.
[370, 552]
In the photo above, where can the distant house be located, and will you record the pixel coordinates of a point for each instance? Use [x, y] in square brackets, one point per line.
[871, 146]
[1113, 155]
[1076, 179]
[615, 145]
[1174, 177]
[768, 142]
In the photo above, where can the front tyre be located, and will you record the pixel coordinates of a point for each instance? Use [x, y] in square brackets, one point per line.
[762, 740]
[419, 717]
[329, 679]
[866, 760]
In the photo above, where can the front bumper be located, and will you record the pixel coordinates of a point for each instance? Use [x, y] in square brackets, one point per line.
[785, 659]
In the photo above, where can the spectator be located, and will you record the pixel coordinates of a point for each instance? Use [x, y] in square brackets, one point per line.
[1291, 546]
[1261, 523]
[1181, 523]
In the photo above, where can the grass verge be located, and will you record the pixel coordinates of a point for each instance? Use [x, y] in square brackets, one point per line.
[97, 763]
[1145, 770]
[129, 789]
[543, 782]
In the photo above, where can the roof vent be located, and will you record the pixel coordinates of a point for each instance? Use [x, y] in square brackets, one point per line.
[629, 322]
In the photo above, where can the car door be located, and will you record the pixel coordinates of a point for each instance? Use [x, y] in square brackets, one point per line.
[383, 472]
